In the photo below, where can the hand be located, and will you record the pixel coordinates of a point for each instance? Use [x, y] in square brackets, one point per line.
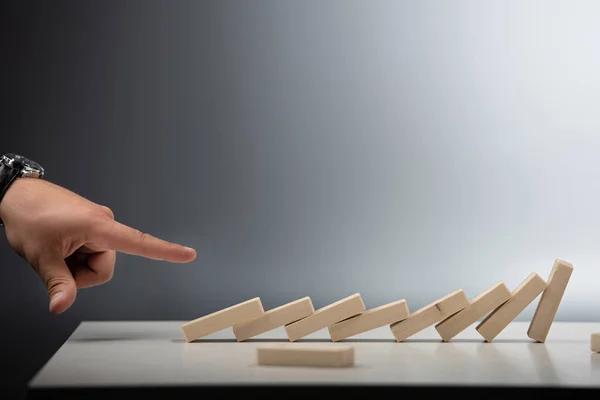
[70, 241]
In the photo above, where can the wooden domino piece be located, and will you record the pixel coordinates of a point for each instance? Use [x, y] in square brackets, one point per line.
[368, 320]
[520, 298]
[274, 318]
[310, 355]
[551, 297]
[595, 342]
[326, 316]
[487, 301]
[429, 315]
[225, 318]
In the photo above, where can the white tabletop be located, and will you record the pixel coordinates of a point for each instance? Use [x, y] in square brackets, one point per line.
[138, 354]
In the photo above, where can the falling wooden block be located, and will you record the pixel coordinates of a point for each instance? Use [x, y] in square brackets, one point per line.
[429, 315]
[274, 318]
[301, 355]
[368, 320]
[487, 301]
[595, 342]
[219, 320]
[550, 300]
[520, 298]
[326, 316]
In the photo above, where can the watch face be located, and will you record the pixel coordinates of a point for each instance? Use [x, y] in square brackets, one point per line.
[17, 161]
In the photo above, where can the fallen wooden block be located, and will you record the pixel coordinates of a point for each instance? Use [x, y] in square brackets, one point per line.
[520, 298]
[219, 320]
[368, 320]
[326, 316]
[548, 306]
[274, 318]
[429, 315]
[595, 342]
[487, 301]
[301, 355]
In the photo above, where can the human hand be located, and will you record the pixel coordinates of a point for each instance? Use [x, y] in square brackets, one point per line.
[72, 242]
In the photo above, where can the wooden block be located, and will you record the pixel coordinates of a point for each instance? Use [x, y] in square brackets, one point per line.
[550, 300]
[595, 342]
[520, 298]
[429, 315]
[481, 305]
[274, 318]
[326, 316]
[219, 320]
[452, 303]
[368, 320]
[301, 355]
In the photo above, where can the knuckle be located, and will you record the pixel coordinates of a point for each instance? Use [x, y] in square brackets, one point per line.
[53, 282]
[142, 236]
[108, 212]
[93, 213]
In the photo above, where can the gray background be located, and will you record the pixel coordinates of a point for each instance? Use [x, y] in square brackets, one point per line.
[399, 149]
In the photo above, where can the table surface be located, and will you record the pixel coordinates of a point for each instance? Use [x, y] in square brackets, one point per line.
[121, 354]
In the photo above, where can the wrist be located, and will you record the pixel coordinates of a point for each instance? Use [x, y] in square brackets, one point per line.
[10, 198]
[12, 167]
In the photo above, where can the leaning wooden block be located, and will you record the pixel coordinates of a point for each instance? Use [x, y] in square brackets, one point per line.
[429, 315]
[550, 300]
[481, 305]
[368, 320]
[595, 342]
[274, 318]
[326, 316]
[298, 354]
[520, 298]
[219, 320]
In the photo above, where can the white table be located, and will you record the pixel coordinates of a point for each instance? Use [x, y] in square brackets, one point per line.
[154, 355]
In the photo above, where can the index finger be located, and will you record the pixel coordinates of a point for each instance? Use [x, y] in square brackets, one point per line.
[124, 239]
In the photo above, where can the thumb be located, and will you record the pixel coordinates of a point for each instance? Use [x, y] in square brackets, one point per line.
[61, 285]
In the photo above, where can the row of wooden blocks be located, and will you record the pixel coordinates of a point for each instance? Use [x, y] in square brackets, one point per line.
[348, 317]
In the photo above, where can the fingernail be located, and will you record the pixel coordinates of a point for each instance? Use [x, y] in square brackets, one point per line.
[189, 248]
[55, 299]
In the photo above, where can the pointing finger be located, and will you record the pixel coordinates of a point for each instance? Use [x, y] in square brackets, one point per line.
[122, 238]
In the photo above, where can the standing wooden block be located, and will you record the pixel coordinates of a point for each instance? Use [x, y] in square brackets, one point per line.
[595, 342]
[274, 318]
[481, 305]
[520, 298]
[301, 355]
[429, 315]
[219, 320]
[326, 316]
[550, 300]
[368, 320]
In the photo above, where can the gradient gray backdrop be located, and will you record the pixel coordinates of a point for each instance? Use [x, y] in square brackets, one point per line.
[399, 149]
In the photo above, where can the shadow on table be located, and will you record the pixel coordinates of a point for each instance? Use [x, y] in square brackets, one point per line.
[351, 340]
[284, 340]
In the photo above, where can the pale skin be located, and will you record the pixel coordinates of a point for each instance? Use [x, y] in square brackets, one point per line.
[70, 241]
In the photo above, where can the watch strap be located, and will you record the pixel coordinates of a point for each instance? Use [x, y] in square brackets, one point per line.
[7, 177]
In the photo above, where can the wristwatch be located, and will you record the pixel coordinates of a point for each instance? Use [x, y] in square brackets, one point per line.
[13, 166]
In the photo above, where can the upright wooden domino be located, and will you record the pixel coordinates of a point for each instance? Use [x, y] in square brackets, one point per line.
[274, 318]
[368, 320]
[430, 314]
[595, 342]
[551, 297]
[219, 320]
[326, 316]
[520, 298]
[306, 355]
[487, 301]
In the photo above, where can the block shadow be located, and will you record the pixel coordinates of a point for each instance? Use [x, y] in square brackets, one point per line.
[350, 340]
